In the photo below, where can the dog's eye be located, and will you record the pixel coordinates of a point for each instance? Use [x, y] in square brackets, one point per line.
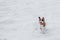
[42, 20]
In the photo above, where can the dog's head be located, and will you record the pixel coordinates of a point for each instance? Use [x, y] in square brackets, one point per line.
[42, 21]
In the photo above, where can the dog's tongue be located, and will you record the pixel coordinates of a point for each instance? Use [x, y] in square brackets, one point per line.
[41, 23]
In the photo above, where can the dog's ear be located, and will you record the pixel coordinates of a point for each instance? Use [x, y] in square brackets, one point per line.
[39, 18]
[43, 19]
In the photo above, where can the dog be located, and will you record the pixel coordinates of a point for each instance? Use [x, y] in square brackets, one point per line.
[42, 24]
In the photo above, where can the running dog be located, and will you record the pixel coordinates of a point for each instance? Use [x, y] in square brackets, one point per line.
[42, 24]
